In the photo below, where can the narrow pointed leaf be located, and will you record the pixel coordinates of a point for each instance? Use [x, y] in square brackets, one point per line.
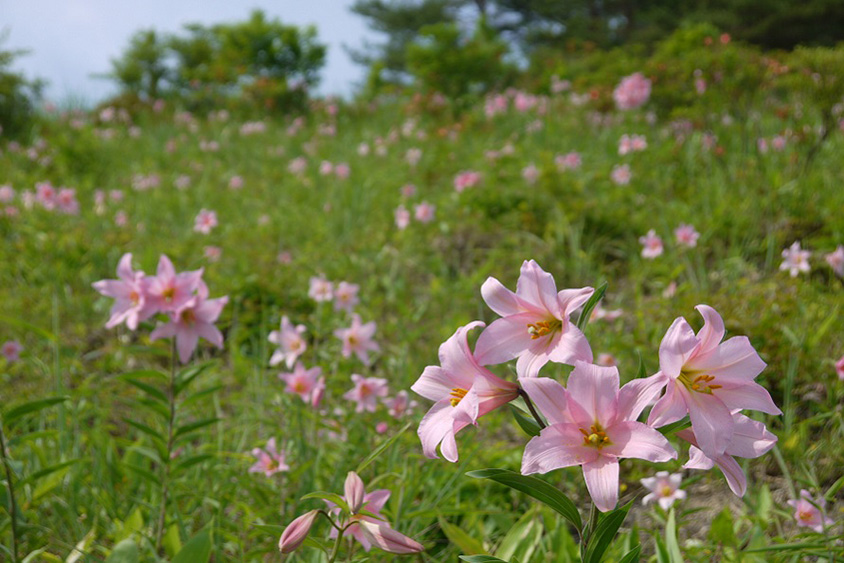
[601, 538]
[460, 538]
[381, 448]
[525, 422]
[537, 488]
[32, 407]
[590, 305]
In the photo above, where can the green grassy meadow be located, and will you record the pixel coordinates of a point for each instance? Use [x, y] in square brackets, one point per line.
[88, 470]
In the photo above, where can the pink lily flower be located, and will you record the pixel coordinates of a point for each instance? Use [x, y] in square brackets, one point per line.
[205, 221]
[535, 325]
[290, 341]
[593, 424]
[749, 439]
[686, 235]
[346, 296]
[809, 512]
[303, 382]
[795, 260]
[194, 319]
[463, 390]
[708, 379]
[839, 368]
[357, 339]
[321, 289]
[371, 530]
[402, 217]
[651, 245]
[270, 460]
[130, 295]
[168, 291]
[664, 489]
[366, 392]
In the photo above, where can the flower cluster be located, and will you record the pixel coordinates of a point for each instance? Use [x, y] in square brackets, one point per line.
[632, 92]
[796, 260]
[592, 421]
[181, 297]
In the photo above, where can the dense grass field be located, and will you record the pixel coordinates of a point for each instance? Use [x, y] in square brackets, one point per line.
[376, 195]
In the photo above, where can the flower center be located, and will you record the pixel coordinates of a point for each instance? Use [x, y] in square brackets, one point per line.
[457, 395]
[543, 328]
[595, 437]
[666, 491]
[169, 293]
[804, 515]
[300, 386]
[700, 383]
[134, 297]
[188, 316]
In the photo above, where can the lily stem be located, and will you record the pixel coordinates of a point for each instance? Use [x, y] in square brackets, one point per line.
[165, 482]
[531, 408]
[337, 543]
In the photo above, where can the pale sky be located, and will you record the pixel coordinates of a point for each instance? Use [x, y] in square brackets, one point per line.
[69, 40]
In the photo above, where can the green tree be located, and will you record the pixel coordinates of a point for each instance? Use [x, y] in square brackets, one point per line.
[142, 68]
[17, 96]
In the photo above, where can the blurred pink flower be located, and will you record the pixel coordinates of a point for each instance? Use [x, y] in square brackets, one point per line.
[535, 325]
[366, 391]
[342, 170]
[466, 179]
[463, 392]
[11, 350]
[621, 174]
[290, 342]
[363, 149]
[381, 427]
[66, 201]
[121, 219]
[346, 296]
[400, 405]
[809, 511]
[686, 235]
[212, 253]
[795, 260]
[593, 423]
[606, 360]
[839, 368]
[632, 92]
[568, 161]
[651, 245]
[182, 182]
[402, 216]
[357, 339]
[664, 489]
[708, 379]
[45, 194]
[749, 439]
[298, 165]
[836, 261]
[235, 183]
[270, 460]
[321, 289]
[325, 168]
[530, 173]
[601, 314]
[306, 383]
[205, 221]
[412, 156]
[408, 190]
[7, 194]
[424, 212]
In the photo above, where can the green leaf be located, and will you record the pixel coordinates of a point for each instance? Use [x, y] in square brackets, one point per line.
[524, 421]
[190, 462]
[461, 539]
[151, 391]
[50, 481]
[590, 305]
[193, 426]
[333, 497]
[124, 552]
[197, 550]
[141, 472]
[671, 544]
[184, 378]
[381, 448]
[537, 488]
[522, 539]
[48, 470]
[674, 426]
[145, 429]
[603, 535]
[481, 559]
[722, 529]
[172, 542]
[834, 488]
[133, 524]
[33, 406]
[661, 551]
[632, 556]
[642, 371]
